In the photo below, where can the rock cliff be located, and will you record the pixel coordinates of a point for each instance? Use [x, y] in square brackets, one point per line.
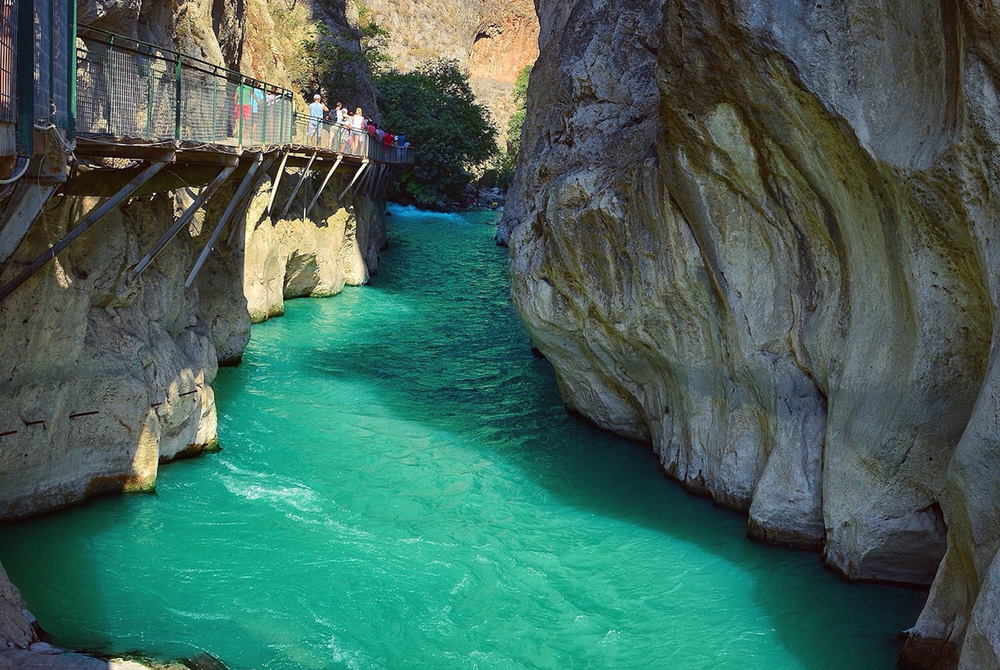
[495, 40]
[762, 236]
[102, 379]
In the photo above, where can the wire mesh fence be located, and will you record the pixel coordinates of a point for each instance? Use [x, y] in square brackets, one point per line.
[346, 140]
[51, 62]
[130, 89]
[8, 77]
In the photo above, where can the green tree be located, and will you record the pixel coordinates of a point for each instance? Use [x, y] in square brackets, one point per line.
[435, 108]
[374, 41]
[516, 123]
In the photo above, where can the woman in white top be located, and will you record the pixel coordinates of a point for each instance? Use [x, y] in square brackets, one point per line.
[357, 134]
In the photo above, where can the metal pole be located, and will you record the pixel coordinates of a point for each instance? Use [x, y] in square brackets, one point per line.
[263, 129]
[245, 207]
[357, 174]
[52, 61]
[295, 191]
[71, 66]
[93, 217]
[239, 111]
[226, 216]
[25, 77]
[277, 180]
[149, 99]
[179, 224]
[325, 182]
[178, 91]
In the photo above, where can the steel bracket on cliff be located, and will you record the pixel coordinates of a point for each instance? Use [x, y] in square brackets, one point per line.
[80, 228]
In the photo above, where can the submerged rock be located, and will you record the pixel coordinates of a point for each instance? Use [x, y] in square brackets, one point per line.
[762, 237]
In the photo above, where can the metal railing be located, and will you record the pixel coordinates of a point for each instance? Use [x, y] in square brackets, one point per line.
[8, 77]
[54, 20]
[348, 141]
[132, 89]
[37, 71]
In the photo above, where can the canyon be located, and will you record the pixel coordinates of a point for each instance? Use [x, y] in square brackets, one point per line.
[760, 238]
[763, 239]
[493, 40]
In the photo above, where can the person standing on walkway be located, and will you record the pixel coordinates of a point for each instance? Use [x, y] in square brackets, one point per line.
[358, 132]
[243, 116]
[317, 110]
[341, 127]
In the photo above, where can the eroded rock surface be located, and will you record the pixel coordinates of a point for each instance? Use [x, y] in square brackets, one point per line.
[495, 40]
[102, 379]
[762, 236]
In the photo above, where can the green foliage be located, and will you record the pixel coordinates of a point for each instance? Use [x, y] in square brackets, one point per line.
[435, 108]
[501, 172]
[374, 41]
[329, 64]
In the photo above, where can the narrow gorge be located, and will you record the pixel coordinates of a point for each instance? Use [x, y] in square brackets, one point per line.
[755, 237]
[762, 236]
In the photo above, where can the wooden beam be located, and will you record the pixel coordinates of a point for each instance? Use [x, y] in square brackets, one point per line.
[295, 191]
[179, 224]
[277, 180]
[105, 182]
[357, 174]
[323, 186]
[93, 217]
[241, 192]
[23, 207]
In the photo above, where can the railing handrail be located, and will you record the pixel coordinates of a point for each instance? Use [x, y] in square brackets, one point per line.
[115, 39]
[371, 143]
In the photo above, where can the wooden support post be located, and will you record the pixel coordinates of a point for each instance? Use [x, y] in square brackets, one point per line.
[93, 217]
[295, 191]
[22, 209]
[179, 224]
[325, 182]
[357, 174]
[241, 192]
[277, 180]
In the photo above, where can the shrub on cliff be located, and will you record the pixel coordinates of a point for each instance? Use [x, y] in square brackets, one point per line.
[435, 108]
[501, 173]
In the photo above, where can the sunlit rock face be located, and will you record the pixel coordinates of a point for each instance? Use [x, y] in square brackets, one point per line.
[493, 39]
[295, 256]
[762, 236]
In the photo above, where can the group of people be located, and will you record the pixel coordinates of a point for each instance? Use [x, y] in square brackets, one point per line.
[349, 130]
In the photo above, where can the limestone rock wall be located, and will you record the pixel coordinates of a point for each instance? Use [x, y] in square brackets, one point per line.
[308, 257]
[101, 379]
[762, 236]
[495, 40]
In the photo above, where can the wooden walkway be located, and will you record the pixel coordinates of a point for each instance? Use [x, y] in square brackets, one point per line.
[175, 121]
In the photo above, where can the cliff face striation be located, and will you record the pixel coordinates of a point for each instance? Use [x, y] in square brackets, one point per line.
[103, 379]
[763, 238]
[494, 40]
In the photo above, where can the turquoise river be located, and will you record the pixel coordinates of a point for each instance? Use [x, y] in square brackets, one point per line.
[400, 487]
